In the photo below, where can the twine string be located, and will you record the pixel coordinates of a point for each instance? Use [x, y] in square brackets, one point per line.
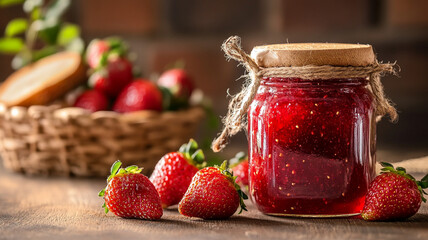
[235, 119]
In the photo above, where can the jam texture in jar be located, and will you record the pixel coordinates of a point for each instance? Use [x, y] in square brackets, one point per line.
[311, 146]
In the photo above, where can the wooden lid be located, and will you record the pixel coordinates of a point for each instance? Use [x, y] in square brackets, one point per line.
[301, 54]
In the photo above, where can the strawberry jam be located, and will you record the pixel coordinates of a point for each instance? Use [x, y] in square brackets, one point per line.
[311, 146]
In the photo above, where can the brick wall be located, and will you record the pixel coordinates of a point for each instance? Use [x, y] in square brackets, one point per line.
[164, 31]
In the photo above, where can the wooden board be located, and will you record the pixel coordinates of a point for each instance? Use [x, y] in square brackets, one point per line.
[41, 208]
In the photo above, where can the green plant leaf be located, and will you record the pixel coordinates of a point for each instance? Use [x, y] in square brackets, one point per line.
[36, 14]
[15, 27]
[11, 45]
[67, 33]
[425, 178]
[48, 31]
[44, 52]
[6, 3]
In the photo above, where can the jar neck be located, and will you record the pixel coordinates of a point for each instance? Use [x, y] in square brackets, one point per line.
[303, 83]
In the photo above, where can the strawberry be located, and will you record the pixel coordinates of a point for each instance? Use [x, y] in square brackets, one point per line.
[112, 78]
[239, 165]
[174, 172]
[92, 100]
[98, 51]
[180, 84]
[212, 194]
[130, 194]
[394, 195]
[95, 51]
[139, 95]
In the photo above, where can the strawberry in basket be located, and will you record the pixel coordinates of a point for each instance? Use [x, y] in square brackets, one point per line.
[95, 51]
[113, 77]
[179, 83]
[92, 100]
[141, 94]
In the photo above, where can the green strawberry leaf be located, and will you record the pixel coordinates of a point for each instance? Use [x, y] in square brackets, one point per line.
[425, 178]
[242, 196]
[423, 184]
[133, 169]
[116, 165]
[225, 171]
[198, 156]
[388, 169]
[193, 155]
[192, 146]
[101, 193]
[105, 208]
[385, 164]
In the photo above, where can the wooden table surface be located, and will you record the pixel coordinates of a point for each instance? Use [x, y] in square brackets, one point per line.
[41, 208]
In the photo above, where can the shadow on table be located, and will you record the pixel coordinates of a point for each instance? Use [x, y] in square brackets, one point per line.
[419, 220]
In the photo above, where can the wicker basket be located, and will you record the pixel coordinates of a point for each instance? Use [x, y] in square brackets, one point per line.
[49, 140]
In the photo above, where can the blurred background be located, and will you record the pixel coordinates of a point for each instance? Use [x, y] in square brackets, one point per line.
[164, 31]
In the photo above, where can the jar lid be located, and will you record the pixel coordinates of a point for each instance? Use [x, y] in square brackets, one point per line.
[318, 54]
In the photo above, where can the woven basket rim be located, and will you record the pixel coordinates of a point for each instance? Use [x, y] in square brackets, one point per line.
[65, 113]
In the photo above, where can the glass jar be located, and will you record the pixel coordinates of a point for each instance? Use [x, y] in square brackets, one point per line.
[311, 146]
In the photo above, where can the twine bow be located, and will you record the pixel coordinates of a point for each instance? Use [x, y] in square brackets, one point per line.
[235, 119]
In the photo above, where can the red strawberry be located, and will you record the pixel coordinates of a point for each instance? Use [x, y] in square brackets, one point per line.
[239, 165]
[180, 84]
[174, 172]
[139, 95]
[114, 77]
[130, 194]
[95, 51]
[92, 100]
[394, 195]
[212, 194]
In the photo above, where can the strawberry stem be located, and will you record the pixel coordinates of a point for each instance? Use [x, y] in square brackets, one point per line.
[226, 172]
[422, 184]
[193, 155]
